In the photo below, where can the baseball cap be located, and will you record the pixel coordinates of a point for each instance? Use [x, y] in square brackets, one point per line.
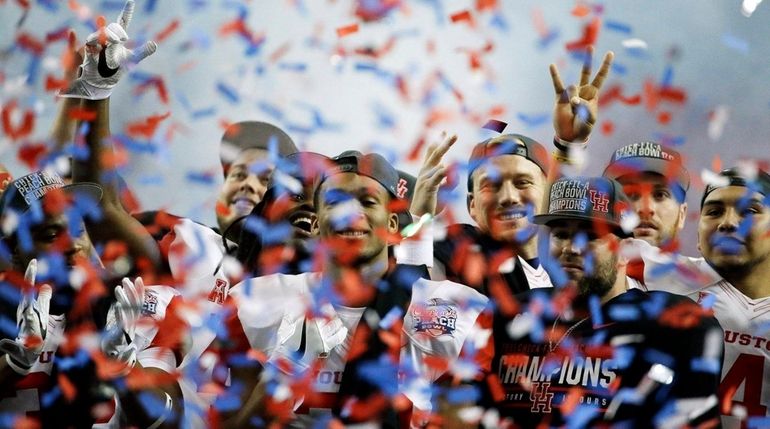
[253, 135]
[734, 177]
[371, 165]
[507, 144]
[24, 192]
[650, 157]
[596, 199]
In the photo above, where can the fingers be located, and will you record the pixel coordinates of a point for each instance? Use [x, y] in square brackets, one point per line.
[604, 70]
[126, 14]
[31, 273]
[573, 95]
[143, 52]
[441, 150]
[585, 74]
[44, 300]
[558, 85]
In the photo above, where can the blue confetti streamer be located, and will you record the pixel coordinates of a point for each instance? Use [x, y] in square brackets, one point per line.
[736, 43]
[618, 26]
[548, 39]
[294, 67]
[534, 120]
[618, 68]
[229, 93]
[704, 364]
[149, 6]
[668, 76]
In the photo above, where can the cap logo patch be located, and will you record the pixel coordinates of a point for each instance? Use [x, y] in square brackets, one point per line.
[643, 149]
[402, 188]
[600, 201]
[34, 186]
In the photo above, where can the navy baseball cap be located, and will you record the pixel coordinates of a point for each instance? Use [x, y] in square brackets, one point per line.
[760, 183]
[507, 144]
[596, 199]
[245, 135]
[644, 157]
[26, 191]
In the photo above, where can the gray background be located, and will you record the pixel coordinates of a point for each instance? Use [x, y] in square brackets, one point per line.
[714, 53]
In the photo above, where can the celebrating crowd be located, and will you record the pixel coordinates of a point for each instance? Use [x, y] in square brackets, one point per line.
[328, 294]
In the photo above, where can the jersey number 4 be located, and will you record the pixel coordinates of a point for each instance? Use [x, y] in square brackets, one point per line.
[749, 371]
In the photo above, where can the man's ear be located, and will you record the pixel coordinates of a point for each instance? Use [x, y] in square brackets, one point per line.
[393, 223]
[682, 216]
[471, 203]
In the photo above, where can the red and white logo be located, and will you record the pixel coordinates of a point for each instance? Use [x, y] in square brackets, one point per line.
[402, 188]
[219, 292]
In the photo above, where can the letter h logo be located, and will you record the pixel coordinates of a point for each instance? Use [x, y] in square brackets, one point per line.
[600, 201]
[541, 398]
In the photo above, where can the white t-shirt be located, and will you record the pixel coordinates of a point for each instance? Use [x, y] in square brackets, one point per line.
[272, 311]
[745, 322]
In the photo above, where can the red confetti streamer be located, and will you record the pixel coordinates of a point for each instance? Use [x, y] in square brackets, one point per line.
[31, 44]
[615, 92]
[664, 118]
[24, 128]
[280, 52]
[30, 155]
[54, 84]
[495, 125]
[347, 30]
[463, 16]
[608, 128]
[146, 127]
[580, 10]
[60, 34]
[168, 31]
[482, 5]
[80, 114]
[156, 82]
[590, 34]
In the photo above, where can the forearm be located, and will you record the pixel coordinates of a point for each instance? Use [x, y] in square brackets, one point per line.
[115, 223]
[63, 128]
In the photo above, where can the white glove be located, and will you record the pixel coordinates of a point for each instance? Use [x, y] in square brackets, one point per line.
[32, 320]
[106, 58]
[303, 341]
[119, 332]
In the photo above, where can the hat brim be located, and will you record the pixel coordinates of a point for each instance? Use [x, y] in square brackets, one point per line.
[90, 189]
[637, 165]
[547, 219]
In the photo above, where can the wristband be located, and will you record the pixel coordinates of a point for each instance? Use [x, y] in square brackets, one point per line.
[417, 251]
[567, 146]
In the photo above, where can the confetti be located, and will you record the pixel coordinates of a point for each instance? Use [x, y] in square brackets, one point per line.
[347, 30]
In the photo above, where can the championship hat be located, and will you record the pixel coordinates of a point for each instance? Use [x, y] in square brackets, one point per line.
[596, 199]
[643, 157]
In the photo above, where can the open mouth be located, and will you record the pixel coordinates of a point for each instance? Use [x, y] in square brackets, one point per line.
[301, 221]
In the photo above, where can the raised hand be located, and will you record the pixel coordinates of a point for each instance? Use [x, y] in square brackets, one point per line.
[32, 320]
[432, 173]
[106, 59]
[576, 108]
[120, 330]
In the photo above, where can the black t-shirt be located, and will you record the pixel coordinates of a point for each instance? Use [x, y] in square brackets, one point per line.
[628, 362]
[465, 242]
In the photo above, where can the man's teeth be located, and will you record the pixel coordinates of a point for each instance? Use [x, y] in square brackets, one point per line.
[352, 233]
[512, 216]
[300, 220]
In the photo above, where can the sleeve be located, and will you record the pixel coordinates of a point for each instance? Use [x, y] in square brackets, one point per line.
[439, 320]
[262, 305]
